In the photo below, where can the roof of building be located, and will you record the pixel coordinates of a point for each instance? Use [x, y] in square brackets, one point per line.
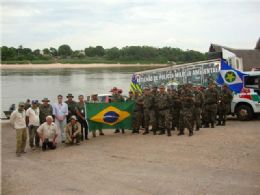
[250, 57]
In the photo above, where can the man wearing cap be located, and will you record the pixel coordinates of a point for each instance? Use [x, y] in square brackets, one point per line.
[45, 110]
[138, 110]
[116, 97]
[130, 96]
[163, 105]
[211, 100]
[48, 132]
[154, 93]
[33, 121]
[71, 106]
[17, 120]
[224, 104]
[60, 112]
[186, 112]
[80, 111]
[149, 111]
[73, 131]
[176, 106]
[94, 99]
[198, 104]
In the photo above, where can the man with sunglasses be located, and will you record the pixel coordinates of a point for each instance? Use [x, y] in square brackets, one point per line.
[17, 120]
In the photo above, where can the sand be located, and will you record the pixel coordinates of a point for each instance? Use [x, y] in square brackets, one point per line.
[223, 160]
[57, 65]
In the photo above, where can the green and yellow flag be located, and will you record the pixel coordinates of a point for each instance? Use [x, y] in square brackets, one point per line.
[109, 115]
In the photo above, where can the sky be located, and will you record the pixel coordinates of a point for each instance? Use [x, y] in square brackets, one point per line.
[185, 24]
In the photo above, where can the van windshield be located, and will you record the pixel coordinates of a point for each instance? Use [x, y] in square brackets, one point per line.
[252, 82]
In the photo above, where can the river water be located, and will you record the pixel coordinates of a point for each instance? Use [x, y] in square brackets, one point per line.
[19, 85]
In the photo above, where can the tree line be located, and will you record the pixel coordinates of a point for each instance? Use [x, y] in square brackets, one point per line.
[125, 54]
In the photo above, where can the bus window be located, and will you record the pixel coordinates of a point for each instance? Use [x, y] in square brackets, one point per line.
[252, 82]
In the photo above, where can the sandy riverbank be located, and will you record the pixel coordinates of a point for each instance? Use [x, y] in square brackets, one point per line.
[224, 160]
[58, 65]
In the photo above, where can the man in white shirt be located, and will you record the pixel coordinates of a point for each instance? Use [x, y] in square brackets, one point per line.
[33, 121]
[48, 133]
[17, 120]
[60, 111]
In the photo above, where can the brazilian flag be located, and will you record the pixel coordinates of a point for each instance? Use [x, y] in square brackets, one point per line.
[109, 115]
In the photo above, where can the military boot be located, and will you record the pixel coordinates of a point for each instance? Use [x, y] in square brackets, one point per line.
[190, 132]
[169, 132]
[146, 131]
[212, 125]
[181, 132]
[162, 132]
[223, 123]
[123, 131]
[197, 128]
[154, 131]
[206, 125]
[219, 123]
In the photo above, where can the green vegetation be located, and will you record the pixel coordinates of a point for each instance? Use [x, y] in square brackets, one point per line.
[127, 55]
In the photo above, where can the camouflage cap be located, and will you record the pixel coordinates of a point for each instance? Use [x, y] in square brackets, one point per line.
[162, 87]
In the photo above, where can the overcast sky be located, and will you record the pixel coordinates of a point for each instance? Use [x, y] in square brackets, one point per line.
[83, 23]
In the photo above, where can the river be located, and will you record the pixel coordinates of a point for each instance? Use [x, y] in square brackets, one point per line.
[19, 85]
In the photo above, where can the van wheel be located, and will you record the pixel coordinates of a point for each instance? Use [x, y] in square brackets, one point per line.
[244, 113]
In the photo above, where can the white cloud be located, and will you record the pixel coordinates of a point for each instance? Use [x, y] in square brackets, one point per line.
[184, 24]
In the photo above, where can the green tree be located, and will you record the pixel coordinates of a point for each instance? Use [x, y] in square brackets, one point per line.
[53, 52]
[46, 51]
[100, 51]
[113, 53]
[64, 50]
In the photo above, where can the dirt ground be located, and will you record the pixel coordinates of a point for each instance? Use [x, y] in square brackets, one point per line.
[223, 160]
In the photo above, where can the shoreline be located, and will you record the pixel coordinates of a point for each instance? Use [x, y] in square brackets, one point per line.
[58, 65]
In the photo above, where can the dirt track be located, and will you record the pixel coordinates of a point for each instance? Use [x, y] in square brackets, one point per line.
[224, 160]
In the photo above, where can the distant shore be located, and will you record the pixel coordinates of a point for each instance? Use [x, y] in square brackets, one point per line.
[58, 65]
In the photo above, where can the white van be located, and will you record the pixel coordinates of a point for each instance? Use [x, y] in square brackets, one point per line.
[246, 104]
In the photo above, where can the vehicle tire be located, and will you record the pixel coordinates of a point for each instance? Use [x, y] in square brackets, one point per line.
[244, 112]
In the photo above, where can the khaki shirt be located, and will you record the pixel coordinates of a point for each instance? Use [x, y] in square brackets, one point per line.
[72, 129]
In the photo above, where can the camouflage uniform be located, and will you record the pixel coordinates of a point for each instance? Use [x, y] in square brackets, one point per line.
[149, 113]
[224, 104]
[45, 110]
[211, 99]
[164, 118]
[176, 106]
[71, 130]
[137, 115]
[198, 104]
[154, 110]
[117, 98]
[186, 113]
[71, 108]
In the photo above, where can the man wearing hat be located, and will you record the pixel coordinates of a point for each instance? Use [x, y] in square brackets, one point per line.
[45, 110]
[94, 99]
[71, 106]
[117, 97]
[33, 121]
[224, 104]
[80, 111]
[17, 120]
[73, 131]
[163, 106]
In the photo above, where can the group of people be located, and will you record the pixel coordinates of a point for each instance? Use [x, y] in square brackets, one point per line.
[45, 121]
[164, 110]
[190, 107]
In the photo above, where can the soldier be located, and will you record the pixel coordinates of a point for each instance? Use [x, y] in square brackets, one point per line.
[186, 112]
[163, 106]
[224, 105]
[137, 116]
[176, 105]
[154, 93]
[45, 110]
[94, 99]
[198, 104]
[73, 131]
[211, 99]
[80, 111]
[71, 106]
[131, 96]
[116, 97]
